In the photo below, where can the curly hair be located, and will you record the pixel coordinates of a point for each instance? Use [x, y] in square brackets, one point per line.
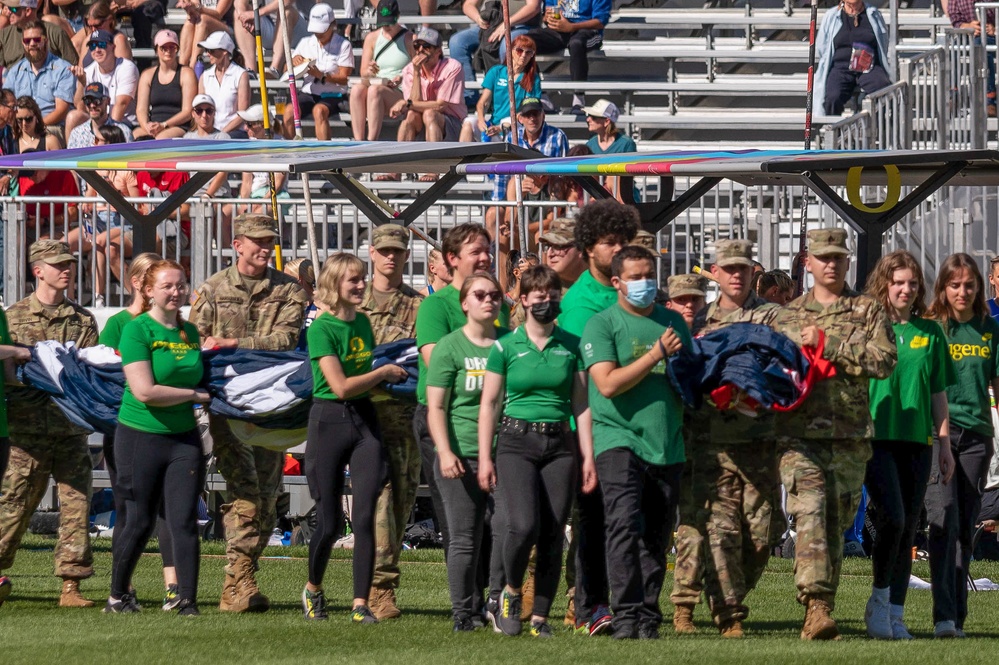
[607, 217]
[883, 274]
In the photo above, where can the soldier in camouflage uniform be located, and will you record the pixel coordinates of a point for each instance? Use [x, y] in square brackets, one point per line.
[248, 305]
[731, 514]
[823, 446]
[687, 296]
[43, 441]
[391, 307]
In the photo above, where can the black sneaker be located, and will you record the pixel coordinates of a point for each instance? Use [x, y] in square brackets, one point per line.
[648, 631]
[314, 605]
[509, 614]
[187, 608]
[362, 614]
[171, 599]
[479, 620]
[540, 629]
[124, 605]
[463, 625]
[578, 110]
[624, 632]
[491, 610]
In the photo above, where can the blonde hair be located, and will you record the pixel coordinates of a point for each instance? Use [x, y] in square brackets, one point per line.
[137, 271]
[149, 280]
[302, 270]
[434, 255]
[336, 268]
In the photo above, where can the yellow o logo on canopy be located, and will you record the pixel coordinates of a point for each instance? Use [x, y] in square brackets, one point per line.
[894, 189]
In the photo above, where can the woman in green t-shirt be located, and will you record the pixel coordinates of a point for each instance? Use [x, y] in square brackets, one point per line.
[908, 408]
[952, 507]
[535, 381]
[343, 429]
[454, 389]
[157, 445]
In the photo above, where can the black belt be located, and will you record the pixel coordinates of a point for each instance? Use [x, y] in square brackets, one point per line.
[518, 426]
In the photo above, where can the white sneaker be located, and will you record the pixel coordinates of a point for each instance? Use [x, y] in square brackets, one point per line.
[944, 629]
[898, 629]
[877, 619]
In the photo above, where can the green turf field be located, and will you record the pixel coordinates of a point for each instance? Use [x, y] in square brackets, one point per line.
[34, 630]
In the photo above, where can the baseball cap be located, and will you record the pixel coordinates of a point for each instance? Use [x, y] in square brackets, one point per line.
[218, 39]
[253, 114]
[390, 236]
[562, 231]
[101, 36]
[827, 242]
[165, 36]
[687, 285]
[27, 4]
[603, 109]
[387, 13]
[321, 17]
[50, 251]
[733, 253]
[255, 226]
[645, 239]
[428, 35]
[95, 90]
[202, 99]
[530, 104]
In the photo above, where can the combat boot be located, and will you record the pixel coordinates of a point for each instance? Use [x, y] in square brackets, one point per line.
[527, 598]
[683, 620]
[570, 609]
[70, 596]
[244, 595]
[381, 602]
[731, 629]
[228, 593]
[818, 624]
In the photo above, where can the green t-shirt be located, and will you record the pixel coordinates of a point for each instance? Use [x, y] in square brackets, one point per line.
[350, 341]
[901, 404]
[111, 334]
[4, 339]
[440, 314]
[584, 299]
[460, 365]
[175, 362]
[538, 382]
[973, 350]
[647, 419]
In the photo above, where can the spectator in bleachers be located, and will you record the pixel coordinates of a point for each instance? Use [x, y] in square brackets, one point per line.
[486, 37]
[68, 14]
[166, 92]
[144, 15]
[962, 14]
[578, 26]
[119, 76]
[160, 184]
[852, 47]
[96, 100]
[226, 83]
[495, 96]
[433, 91]
[100, 17]
[23, 12]
[29, 128]
[204, 20]
[42, 76]
[331, 59]
[386, 52]
[270, 29]
[204, 127]
[8, 124]
[257, 184]
[601, 119]
[32, 137]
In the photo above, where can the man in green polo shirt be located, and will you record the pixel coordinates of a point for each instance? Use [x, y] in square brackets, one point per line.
[466, 251]
[637, 439]
[602, 229]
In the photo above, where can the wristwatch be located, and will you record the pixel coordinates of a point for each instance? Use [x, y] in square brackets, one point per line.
[409, 103]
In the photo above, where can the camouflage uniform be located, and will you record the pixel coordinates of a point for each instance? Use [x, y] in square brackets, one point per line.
[395, 319]
[823, 446]
[265, 314]
[44, 442]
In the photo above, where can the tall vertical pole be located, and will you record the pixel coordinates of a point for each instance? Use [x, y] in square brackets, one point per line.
[267, 125]
[809, 94]
[514, 131]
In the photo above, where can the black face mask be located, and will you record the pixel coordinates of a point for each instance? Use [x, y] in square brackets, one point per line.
[546, 312]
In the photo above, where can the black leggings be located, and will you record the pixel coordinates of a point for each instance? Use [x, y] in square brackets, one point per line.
[342, 433]
[151, 466]
[897, 474]
[535, 482]
[121, 510]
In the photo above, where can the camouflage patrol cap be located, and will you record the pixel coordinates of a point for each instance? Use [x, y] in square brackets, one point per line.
[390, 236]
[562, 231]
[733, 253]
[645, 239]
[255, 226]
[50, 251]
[827, 242]
[687, 285]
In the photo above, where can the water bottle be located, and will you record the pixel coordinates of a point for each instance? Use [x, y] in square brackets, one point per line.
[485, 138]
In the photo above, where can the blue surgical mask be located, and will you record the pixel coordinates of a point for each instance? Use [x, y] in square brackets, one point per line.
[641, 292]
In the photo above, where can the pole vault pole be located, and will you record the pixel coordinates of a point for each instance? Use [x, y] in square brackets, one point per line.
[292, 80]
[809, 94]
[267, 126]
[514, 133]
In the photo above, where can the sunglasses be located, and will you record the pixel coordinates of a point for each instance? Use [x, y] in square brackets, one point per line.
[94, 25]
[15, 10]
[255, 125]
[524, 51]
[25, 119]
[30, 41]
[92, 101]
[93, 46]
[204, 110]
[423, 46]
[169, 47]
[481, 296]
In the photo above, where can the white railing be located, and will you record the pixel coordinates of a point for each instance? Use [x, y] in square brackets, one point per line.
[925, 75]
